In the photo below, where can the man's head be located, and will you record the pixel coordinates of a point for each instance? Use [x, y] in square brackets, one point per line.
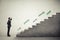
[10, 18]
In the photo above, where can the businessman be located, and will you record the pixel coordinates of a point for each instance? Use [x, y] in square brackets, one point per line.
[9, 26]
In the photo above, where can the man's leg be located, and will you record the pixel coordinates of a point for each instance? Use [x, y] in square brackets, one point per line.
[8, 31]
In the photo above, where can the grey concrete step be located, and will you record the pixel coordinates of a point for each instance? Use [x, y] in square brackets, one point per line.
[48, 28]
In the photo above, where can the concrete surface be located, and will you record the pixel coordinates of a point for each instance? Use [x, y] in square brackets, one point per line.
[49, 28]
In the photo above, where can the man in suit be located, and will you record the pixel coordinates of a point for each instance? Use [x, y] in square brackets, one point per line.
[9, 26]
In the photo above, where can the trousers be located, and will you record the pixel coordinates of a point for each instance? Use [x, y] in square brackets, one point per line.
[8, 30]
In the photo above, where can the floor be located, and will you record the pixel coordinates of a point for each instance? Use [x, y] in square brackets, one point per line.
[29, 38]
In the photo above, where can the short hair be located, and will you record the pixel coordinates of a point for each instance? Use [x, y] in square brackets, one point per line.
[10, 18]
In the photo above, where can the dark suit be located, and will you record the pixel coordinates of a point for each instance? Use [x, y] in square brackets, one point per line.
[8, 26]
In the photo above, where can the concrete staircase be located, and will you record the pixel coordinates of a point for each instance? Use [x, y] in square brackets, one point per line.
[48, 28]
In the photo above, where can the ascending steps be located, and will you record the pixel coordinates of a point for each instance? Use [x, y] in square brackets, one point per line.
[48, 27]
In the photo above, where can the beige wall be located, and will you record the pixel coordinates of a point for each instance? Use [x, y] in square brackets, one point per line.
[22, 10]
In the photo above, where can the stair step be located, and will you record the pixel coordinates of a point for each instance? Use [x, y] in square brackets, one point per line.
[48, 27]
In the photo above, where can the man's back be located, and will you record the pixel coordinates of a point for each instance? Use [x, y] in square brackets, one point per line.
[9, 23]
